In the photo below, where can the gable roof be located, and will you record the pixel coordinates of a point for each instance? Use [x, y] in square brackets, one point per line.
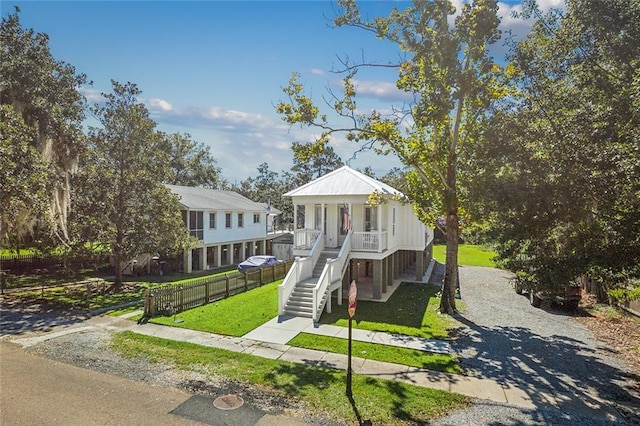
[343, 181]
[214, 199]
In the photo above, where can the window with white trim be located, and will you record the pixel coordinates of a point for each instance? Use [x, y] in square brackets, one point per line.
[370, 218]
[196, 225]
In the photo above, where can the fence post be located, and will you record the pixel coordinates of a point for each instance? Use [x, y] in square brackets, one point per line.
[206, 292]
[147, 303]
[88, 294]
[181, 297]
[246, 282]
[226, 284]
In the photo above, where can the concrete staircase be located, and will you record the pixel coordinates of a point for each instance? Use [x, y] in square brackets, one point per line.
[322, 260]
[300, 303]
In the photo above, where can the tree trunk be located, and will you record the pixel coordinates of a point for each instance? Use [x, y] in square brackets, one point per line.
[118, 265]
[448, 300]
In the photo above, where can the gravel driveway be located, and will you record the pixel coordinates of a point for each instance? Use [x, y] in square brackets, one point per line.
[545, 352]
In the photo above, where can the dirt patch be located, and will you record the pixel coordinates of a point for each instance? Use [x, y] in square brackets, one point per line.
[618, 329]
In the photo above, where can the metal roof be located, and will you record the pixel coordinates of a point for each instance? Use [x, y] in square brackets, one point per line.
[343, 181]
[214, 199]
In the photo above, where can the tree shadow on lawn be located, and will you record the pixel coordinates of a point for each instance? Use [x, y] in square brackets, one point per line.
[406, 307]
[17, 316]
[300, 379]
[554, 370]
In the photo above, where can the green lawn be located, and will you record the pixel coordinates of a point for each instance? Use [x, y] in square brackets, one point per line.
[323, 390]
[234, 316]
[468, 254]
[411, 357]
[412, 310]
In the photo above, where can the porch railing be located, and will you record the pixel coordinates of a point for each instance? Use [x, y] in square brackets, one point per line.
[369, 241]
[305, 238]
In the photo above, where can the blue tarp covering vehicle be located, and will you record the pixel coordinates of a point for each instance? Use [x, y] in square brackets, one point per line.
[257, 262]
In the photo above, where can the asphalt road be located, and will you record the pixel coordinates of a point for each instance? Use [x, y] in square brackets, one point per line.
[38, 391]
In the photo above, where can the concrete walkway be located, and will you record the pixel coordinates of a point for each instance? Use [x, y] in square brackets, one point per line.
[284, 328]
[280, 329]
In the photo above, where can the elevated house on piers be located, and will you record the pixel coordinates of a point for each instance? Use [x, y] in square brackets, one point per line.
[228, 226]
[339, 236]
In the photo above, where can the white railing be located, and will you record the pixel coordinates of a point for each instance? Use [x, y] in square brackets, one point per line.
[369, 241]
[332, 273]
[302, 269]
[288, 284]
[305, 238]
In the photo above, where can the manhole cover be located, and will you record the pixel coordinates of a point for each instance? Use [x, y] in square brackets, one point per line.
[228, 402]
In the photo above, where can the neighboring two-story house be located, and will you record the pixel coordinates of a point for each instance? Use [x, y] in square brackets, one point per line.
[229, 227]
[344, 237]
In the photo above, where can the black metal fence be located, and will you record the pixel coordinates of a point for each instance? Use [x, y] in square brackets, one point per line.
[173, 298]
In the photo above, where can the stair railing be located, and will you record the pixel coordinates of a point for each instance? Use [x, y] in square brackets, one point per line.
[302, 269]
[330, 279]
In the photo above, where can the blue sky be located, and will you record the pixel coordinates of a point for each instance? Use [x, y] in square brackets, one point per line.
[215, 69]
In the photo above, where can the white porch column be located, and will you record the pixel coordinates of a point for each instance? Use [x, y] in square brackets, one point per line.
[295, 218]
[186, 259]
[379, 220]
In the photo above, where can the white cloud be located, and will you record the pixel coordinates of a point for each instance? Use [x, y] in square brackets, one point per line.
[163, 105]
[316, 71]
[545, 5]
[92, 95]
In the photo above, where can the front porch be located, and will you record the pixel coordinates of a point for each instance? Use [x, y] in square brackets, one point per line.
[369, 242]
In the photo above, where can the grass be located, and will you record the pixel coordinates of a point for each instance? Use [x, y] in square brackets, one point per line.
[411, 357]
[48, 289]
[234, 316]
[412, 310]
[323, 390]
[468, 254]
[77, 297]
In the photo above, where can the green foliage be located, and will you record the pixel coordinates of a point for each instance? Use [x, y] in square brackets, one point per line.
[558, 172]
[631, 292]
[311, 161]
[268, 187]
[24, 179]
[190, 163]
[121, 202]
[42, 112]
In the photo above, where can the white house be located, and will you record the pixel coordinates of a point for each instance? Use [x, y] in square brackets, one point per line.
[229, 227]
[339, 237]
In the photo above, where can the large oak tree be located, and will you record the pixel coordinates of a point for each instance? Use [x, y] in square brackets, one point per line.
[41, 138]
[560, 166]
[122, 203]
